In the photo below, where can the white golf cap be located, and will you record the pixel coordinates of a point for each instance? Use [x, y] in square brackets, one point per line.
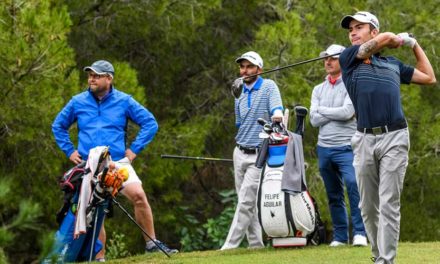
[361, 16]
[252, 57]
[332, 49]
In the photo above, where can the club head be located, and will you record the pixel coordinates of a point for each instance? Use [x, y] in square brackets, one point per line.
[263, 135]
[300, 110]
[261, 121]
[267, 128]
[237, 87]
[276, 137]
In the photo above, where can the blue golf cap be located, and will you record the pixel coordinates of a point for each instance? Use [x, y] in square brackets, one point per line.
[101, 67]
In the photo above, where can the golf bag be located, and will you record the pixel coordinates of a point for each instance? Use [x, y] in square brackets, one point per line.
[289, 217]
[88, 188]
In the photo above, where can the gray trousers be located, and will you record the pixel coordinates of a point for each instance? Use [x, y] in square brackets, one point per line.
[245, 221]
[380, 163]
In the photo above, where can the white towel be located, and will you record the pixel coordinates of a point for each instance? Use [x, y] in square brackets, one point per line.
[85, 193]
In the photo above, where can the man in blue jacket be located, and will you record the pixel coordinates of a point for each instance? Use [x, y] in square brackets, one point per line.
[102, 113]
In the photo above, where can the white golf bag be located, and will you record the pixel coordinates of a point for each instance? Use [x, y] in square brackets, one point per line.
[288, 218]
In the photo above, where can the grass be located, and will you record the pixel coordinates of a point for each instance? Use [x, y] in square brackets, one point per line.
[426, 252]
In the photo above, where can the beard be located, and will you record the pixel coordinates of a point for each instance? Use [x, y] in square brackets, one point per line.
[98, 90]
[250, 80]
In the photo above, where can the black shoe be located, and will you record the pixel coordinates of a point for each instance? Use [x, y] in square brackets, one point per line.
[163, 246]
[373, 259]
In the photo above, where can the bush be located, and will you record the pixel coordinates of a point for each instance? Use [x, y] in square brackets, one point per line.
[212, 234]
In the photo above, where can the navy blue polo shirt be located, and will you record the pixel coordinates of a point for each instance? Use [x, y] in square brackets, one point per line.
[374, 87]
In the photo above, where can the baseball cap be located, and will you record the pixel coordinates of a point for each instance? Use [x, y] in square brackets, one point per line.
[252, 57]
[361, 16]
[101, 67]
[332, 49]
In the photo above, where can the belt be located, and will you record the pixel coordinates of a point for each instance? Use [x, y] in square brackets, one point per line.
[384, 129]
[247, 150]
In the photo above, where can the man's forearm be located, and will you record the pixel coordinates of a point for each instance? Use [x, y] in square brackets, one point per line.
[387, 39]
[317, 120]
[424, 65]
[342, 113]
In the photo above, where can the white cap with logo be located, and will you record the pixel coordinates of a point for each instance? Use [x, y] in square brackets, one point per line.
[332, 49]
[361, 16]
[252, 57]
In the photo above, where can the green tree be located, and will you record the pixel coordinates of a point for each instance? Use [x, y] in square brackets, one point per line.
[177, 58]
[36, 73]
[184, 54]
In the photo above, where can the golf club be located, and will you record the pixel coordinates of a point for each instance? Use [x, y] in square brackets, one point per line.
[140, 227]
[166, 156]
[236, 86]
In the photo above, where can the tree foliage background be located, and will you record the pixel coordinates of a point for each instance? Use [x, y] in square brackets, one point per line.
[177, 58]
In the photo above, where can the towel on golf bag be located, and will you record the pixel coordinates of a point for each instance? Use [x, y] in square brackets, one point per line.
[85, 194]
[294, 175]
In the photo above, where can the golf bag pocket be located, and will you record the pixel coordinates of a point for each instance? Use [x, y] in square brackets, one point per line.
[283, 214]
[302, 213]
[72, 179]
[271, 205]
[277, 155]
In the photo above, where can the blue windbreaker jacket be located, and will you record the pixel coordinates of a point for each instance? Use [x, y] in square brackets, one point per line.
[103, 123]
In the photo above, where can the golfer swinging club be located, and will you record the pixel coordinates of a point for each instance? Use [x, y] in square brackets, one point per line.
[381, 142]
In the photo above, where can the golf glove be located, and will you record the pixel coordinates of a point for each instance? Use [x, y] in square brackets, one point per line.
[277, 116]
[407, 39]
[237, 87]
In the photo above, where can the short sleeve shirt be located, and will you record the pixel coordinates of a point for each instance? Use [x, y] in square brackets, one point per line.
[260, 101]
[374, 87]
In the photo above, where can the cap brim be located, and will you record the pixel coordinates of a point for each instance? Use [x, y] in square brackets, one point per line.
[345, 22]
[248, 59]
[239, 59]
[90, 68]
[325, 54]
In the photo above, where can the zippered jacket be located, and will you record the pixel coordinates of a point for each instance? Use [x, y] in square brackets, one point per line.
[103, 123]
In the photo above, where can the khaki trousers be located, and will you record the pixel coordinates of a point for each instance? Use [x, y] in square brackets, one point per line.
[380, 163]
[245, 221]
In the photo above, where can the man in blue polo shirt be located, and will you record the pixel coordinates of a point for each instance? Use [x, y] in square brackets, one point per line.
[260, 98]
[102, 113]
[381, 142]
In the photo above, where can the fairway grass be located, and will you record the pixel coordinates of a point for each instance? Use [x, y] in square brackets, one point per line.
[408, 253]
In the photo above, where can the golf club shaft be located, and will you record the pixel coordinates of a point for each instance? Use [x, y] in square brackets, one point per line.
[165, 156]
[140, 227]
[92, 247]
[294, 64]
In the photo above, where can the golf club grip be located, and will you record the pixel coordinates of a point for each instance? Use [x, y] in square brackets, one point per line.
[262, 154]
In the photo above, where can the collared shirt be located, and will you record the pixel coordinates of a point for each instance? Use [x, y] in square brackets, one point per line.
[103, 123]
[332, 111]
[374, 87]
[259, 101]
